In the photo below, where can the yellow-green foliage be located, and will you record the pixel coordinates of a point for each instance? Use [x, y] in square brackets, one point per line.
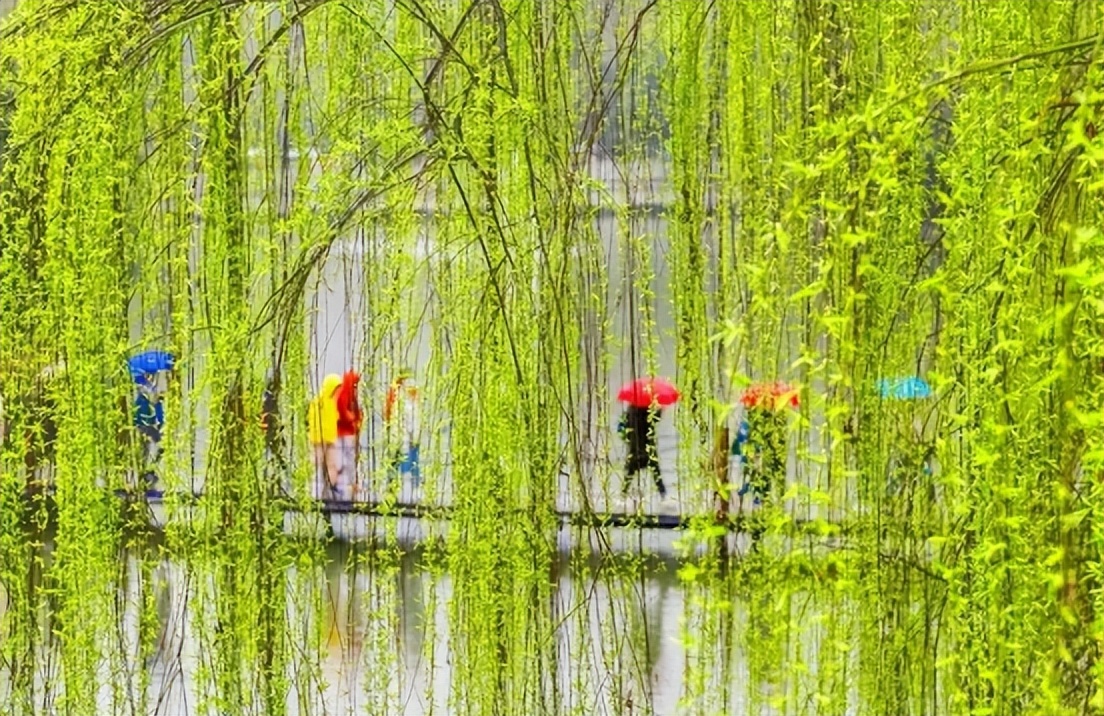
[849, 190]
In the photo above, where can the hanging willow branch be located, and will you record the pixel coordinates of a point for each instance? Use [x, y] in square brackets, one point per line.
[527, 203]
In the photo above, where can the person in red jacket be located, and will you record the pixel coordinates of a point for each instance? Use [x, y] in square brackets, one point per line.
[350, 418]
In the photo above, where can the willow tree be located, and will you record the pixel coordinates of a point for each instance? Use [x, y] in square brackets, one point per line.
[848, 191]
[909, 182]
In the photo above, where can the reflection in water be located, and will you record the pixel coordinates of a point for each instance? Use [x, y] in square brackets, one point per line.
[387, 632]
[373, 628]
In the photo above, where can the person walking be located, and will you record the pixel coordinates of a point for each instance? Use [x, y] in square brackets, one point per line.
[149, 412]
[270, 420]
[401, 418]
[149, 421]
[760, 442]
[646, 398]
[277, 468]
[322, 417]
[761, 446]
[638, 427]
[349, 421]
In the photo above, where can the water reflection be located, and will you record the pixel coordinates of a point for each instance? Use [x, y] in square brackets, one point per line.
[386, 616]
[369, 630]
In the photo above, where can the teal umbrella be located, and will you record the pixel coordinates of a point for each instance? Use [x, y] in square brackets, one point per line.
[904, 388]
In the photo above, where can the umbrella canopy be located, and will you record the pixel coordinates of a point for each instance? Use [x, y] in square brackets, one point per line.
[770, 396]
[642, 392]
[149, 362]
[904, 388]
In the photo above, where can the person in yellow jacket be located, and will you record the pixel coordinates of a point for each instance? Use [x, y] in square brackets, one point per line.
[322, 429]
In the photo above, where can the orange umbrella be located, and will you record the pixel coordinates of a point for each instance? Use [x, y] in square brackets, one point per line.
[770, 396]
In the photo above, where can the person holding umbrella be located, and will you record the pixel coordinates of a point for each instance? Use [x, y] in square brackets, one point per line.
[646, 399]
[401, 419]
[349, 420]
[149, 413]
[149, 419]
[322, 417]
[270, 419]
[760, 442]
[910, 454]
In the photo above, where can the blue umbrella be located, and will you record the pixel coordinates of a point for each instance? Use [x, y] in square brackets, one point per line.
[149, 362]
[910, 388]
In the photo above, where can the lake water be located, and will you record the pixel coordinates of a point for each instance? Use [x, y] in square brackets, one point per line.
[371, 626]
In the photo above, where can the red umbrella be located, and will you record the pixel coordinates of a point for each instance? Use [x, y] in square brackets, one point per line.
[643, 391]
[770, 396]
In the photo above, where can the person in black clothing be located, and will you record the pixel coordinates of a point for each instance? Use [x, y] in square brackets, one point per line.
[270, 420]
[638, 427]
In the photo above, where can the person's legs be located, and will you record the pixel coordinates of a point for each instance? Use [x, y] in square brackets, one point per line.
[660, 487]
[396, 465]
[653, 464]
[151, 451]
[411, 465]
[758, 483]
[634, 463]
[153, 487]
[321, 472]
[333, 469]
[347, 465]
